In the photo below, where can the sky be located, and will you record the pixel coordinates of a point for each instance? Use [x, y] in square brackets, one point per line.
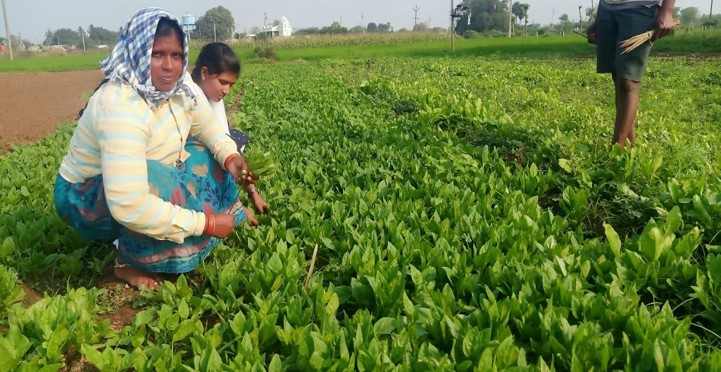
[32, 18]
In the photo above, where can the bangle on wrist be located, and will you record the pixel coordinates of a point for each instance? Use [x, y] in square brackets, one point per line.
[229, 159]
[253, 190]
[209, 224]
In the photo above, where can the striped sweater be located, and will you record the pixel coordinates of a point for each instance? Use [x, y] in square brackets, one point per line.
[116, 136]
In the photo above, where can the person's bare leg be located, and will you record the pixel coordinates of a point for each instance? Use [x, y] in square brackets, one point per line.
[135, 277]
[627, 98]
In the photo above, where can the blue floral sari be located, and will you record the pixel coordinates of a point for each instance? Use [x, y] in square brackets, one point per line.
[199, 184]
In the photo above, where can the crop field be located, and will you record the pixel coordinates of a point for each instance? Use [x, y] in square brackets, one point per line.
[313, 48]
[468, 214]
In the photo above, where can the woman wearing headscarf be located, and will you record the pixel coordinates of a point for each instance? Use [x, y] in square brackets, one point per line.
[130, 174]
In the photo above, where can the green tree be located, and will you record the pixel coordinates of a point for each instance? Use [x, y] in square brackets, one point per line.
[591, 14]
[101, 36]
[62, 36]
[485, 15]
[216, 23]
[565, 22]
[334, 29]
[421, 27]
[384, 27]
[517, 10]
[372, 27]
[690, 17]
[525, 18]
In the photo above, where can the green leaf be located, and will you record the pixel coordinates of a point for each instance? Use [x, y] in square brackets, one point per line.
[55, 346]
[261, 163]
[275, 265]
[93, 356]
[183, 309]
[658, 356]
[565, 164]
[385, 326]
[211, 360]
[613, 240]
[332, 306]
[7, 249]
[13, 348]
[186, 328]
[674, 220]
[275, 364]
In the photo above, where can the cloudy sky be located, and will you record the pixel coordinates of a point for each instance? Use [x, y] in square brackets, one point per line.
[31, 18]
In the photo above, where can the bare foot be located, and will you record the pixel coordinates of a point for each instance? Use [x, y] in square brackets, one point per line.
[135, 277]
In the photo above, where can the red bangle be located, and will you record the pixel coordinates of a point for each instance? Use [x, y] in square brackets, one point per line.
[229, 159]
[209, 224]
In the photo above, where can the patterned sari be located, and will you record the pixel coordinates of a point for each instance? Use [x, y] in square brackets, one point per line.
[199, 184]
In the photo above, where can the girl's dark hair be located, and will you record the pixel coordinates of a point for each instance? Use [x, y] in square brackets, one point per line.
[167, 27]
[217, 58]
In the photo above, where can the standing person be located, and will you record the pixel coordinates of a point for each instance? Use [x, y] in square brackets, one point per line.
[216, 71]
[130, 173]
[618, 20]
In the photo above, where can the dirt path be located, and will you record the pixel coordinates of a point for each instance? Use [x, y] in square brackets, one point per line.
[34, 104]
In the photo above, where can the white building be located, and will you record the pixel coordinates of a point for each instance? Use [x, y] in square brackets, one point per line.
[284, 29]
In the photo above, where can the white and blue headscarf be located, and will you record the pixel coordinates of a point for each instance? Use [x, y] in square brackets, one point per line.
[130, 59]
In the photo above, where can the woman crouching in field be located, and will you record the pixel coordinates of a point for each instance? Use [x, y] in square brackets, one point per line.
[130, 173]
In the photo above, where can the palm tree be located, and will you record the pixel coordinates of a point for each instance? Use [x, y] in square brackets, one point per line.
[525, 17]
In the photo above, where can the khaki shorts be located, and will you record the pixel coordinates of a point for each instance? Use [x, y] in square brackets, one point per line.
[615, 26]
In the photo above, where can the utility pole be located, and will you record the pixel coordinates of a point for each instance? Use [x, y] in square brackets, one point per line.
[510, 18]
[215, 34]
[710, 13]
[82, 35]
[363, 24]
[415, 18]
[580, 20]
[453, 31]
[7, 31]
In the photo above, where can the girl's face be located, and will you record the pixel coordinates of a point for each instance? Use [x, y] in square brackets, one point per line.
[166, 62]
[216, 86]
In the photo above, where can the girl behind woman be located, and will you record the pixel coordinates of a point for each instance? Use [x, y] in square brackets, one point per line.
[216, 71]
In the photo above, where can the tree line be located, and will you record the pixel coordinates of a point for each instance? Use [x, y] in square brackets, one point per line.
[491, 17]
[484, 17]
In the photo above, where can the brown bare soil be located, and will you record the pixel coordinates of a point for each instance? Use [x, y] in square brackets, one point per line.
[34, 104]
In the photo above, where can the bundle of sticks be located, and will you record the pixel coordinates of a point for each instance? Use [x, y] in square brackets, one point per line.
[634, 42]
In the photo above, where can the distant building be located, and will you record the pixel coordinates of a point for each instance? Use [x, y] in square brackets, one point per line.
[284, 29]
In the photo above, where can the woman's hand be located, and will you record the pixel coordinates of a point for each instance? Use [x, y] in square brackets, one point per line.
[251, 217]
[255, 198]
[219, 225]
[236, 165]
[258, 202]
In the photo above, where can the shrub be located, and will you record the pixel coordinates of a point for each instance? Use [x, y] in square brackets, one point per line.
[472, 34]
[264, 51]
